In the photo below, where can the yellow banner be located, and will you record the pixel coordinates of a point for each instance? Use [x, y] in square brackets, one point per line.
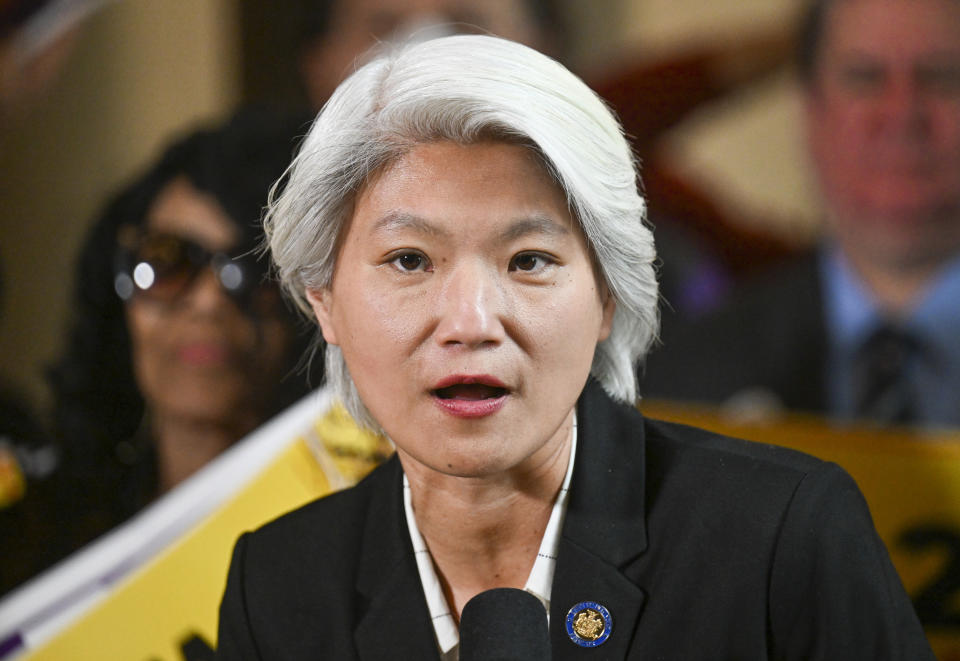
[167, 611]
[910, 479]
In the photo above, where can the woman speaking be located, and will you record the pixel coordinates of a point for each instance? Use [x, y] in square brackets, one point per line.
[464, 223]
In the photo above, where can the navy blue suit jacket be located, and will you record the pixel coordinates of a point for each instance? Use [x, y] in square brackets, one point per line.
[770, 340]
[700, 546]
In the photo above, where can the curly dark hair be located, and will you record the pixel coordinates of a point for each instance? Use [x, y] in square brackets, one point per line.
[109, 471]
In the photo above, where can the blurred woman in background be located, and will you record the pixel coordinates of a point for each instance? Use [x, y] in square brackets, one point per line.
[180, 343]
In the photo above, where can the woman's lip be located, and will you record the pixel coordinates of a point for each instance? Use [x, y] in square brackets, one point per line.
[457, 379]
[471, 408]
[203, 353]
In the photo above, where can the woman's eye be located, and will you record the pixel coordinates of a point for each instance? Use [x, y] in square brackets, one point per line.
[411, 261]
[529, 261]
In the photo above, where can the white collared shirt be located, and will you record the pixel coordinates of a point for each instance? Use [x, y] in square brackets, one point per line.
[539, 582]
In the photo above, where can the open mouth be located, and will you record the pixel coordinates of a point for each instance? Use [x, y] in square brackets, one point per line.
[470, 396]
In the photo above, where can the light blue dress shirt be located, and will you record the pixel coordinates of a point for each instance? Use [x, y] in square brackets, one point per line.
[852, 314]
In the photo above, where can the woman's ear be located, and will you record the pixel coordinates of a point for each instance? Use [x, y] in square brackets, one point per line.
[321, 300]
[606, 323]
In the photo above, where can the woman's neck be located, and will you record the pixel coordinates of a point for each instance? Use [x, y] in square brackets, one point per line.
[184, 445]
[485, 532]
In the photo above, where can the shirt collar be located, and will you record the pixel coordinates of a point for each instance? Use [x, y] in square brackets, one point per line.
[937, 314]
[539, 582]
[852, 311]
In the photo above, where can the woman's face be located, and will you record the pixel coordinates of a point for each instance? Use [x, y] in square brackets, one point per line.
[466, 307]
[199, 357]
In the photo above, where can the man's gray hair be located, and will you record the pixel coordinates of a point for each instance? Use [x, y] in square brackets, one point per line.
[468, 89]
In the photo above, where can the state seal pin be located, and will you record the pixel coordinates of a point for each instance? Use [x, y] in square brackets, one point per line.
[589, 624]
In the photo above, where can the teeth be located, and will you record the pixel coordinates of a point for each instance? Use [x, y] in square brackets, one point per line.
[471, 391]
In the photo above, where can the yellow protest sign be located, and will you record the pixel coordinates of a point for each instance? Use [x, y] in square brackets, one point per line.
[910, 479]
[167, 611]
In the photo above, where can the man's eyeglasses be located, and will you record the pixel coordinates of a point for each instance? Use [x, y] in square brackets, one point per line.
[161, 267]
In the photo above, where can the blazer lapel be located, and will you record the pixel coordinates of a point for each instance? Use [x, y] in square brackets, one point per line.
[395, 623]
[605, 526]
[604, 531]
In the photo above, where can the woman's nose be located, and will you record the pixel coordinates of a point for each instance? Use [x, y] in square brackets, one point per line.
[471, 308]
[902, 108]
[206, 294]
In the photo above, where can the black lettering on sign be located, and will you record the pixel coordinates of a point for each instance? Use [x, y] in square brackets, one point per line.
[936, 601]
[196, 648]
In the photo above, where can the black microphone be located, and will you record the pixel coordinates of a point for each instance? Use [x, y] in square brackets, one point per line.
[504, 624]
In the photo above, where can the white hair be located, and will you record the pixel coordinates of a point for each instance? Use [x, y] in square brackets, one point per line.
[466, 89]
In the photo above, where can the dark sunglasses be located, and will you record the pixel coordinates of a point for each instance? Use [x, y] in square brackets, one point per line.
[161, 267]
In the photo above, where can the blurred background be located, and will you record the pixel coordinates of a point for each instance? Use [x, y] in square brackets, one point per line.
[92, 91]
[108, 91]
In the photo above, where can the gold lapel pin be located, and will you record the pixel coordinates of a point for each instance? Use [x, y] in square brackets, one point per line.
[589, 624]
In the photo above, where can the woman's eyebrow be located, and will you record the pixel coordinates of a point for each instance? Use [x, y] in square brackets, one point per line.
[537, 224]
[395, 221]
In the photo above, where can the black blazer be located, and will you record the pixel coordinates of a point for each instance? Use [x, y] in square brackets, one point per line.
[770, 337]
[700, 546]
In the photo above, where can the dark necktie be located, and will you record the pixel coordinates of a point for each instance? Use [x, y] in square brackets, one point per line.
[882, 391]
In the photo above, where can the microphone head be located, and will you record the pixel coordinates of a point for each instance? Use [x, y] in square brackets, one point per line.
[504, 624]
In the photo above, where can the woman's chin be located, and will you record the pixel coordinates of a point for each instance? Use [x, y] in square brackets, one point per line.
[472, 463]
[211, 406]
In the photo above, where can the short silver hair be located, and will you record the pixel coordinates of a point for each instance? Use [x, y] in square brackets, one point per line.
[466, 89]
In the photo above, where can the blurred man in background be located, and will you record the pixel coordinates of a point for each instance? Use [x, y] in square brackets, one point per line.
[868, 326]
[337, 32]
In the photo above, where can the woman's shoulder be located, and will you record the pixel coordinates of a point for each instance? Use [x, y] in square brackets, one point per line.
[330, 525]
[701, 445]
[734, 477]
